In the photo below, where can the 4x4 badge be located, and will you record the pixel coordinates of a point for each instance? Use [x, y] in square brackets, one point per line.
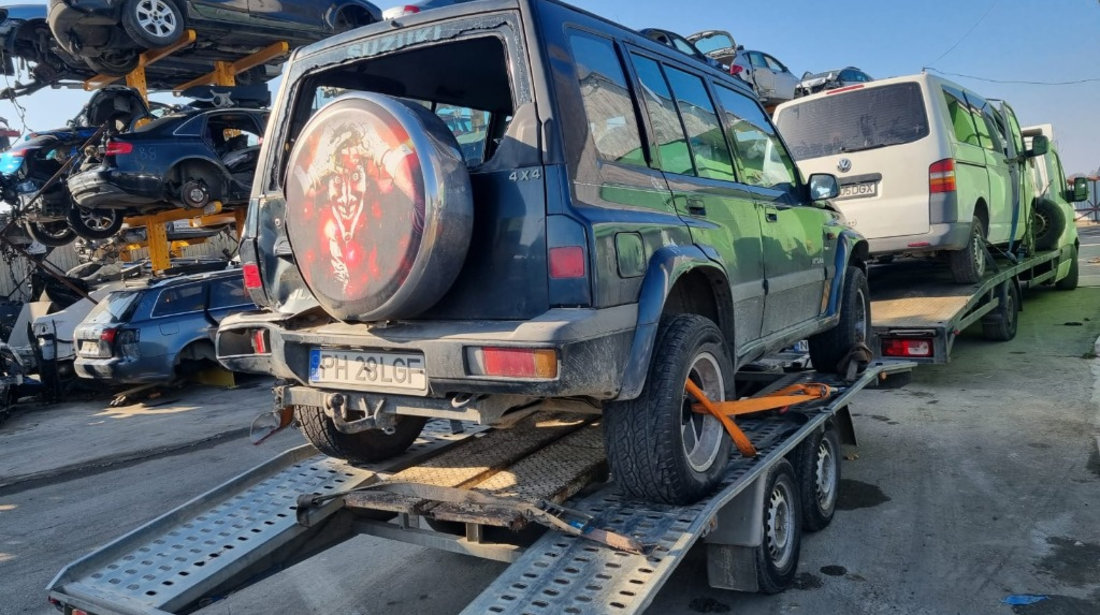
[844, 165]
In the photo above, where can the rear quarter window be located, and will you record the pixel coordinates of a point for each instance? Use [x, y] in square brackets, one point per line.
[607, 101]
[180, 300]
[856, 120]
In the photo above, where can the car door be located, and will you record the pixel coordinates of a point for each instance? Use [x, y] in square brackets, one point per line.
[179, 309]
[226, 296]
[694, 156]
[1022, 184]
[784, 82]
[217, 9]
[760, 75]
[1000, 203]
[298, 12]
[793, 233]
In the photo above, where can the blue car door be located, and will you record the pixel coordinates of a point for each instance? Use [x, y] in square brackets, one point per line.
[227, 296]
[302, 12]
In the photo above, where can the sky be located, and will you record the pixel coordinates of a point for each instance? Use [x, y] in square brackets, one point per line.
[1004, 40]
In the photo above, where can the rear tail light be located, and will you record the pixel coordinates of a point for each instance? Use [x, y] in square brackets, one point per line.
[736, 70]
[941, 176]
[410, 9]
[108, 335]
[567, 262]
[117, 148]
[902, 347]
[251, 273]
[259, 341]
[541, 363]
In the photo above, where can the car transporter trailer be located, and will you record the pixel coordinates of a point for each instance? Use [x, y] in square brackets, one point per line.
[604, 553]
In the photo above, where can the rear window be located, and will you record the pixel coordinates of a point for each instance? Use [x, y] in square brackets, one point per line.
[115, 307]
[854, 121]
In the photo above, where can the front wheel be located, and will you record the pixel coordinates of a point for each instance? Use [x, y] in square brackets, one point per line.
[658, 447]
[829, 348]
[95, 223]
[152, 23]
[968, 265]
[1073, 277]
[363, 447]
[51, 234]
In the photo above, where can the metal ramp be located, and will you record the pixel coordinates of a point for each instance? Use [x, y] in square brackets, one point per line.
[241, 529]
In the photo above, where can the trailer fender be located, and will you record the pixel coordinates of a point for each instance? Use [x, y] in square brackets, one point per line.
[665, 268]
[851, 248]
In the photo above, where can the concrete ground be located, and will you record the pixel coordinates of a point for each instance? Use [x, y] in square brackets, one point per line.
[977, 482]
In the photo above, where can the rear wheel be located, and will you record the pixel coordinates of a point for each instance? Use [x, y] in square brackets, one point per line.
[362, 447]
[51, 234]
[819, 478]
[152, 23]
[777, 556]
[95, 223]
[1000, 324]
[828, 348]
[968, 265]
[1070, 281]
[658, 448]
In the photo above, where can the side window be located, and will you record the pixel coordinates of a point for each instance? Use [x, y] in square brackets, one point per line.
[774, 64]
[763, 161]
[229, 132]
[607, 101]
[961, 118]
[672, 149]
[757, 59]
[180, 300]
[704, 132]
[982, 121]
[1058, 176]
[228, 293]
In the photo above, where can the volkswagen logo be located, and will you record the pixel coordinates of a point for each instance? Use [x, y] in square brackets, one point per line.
[844, 165]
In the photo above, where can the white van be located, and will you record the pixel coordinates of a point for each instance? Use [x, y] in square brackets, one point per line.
[925, 166]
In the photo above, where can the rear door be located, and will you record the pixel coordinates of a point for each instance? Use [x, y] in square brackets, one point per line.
[695, 157]
[227, 296]
[1000, 202]
[785, 81]
[1023, 187]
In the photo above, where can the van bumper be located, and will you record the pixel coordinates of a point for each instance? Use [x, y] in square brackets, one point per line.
[946, 236]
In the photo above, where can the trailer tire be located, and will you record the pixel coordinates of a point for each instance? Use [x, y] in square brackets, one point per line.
[647, 438]
[828, 348]
[969, 264]
[777, 555]
[362, 447]
[1070, 281]
[1000, 324]
[819, 478]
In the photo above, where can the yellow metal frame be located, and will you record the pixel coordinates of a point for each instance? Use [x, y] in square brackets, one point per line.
[224, 74]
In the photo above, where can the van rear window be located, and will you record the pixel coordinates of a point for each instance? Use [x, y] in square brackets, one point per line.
[854, 121]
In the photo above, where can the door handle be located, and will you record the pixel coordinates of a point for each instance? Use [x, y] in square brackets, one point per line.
[771, 216]
[696, 207]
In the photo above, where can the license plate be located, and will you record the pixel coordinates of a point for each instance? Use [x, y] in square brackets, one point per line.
[368, 369]
[855, 191]
[88, 347]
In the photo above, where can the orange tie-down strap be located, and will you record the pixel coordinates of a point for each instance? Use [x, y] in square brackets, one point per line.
[780, 399]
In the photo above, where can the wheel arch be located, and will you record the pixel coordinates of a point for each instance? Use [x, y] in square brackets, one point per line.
[852, 249]
[680, 279]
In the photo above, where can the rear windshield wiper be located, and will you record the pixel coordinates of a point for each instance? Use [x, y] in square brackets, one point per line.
[848, 150]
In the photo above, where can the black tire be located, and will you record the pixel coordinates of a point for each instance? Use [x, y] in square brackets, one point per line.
[1073, 277]
[819, 478]
[646, 438]
[1000, 324]
[153, 23]
[828, 348]
[119, 64]
[777, 556]
[969, 264]
[95, 223]
[51, 234]
[1048, 221]
[362, 447]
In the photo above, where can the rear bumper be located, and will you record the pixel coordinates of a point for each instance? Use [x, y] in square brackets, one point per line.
[946, 236]
[592, 345]
[124, 371]
[100, 189]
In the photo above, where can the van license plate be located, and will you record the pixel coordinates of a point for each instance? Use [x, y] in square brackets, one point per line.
[855, 191]
[368, 369]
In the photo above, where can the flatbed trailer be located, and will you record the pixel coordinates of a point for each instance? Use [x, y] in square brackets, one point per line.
[917, 311]
[301, 503]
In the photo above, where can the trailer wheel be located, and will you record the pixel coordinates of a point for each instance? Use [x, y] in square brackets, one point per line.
[1000, 324]
[658, 448]
[968, 265]
[362, 447]
[819, 478]
[777, 555]
[828, 348]
[1070, 281]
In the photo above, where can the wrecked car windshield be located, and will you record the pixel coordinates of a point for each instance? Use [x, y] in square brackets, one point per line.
[855, 121]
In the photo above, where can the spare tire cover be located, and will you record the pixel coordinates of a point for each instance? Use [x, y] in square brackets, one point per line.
[379, 210]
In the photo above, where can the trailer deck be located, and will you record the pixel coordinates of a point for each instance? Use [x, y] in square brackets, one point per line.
[251, 526]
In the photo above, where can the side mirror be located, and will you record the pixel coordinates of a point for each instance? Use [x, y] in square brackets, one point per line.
[1040, 145]
[1080, 190]
[823, 186]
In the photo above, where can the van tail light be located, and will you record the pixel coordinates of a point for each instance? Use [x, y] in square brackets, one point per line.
[567, 262]
[907, 347]
[118, 148]
[540, 363]
[736, 70]
[941, 176]
[251, 272]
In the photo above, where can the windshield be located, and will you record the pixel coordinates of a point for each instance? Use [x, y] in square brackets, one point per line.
[854, 121]
[115, 307]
